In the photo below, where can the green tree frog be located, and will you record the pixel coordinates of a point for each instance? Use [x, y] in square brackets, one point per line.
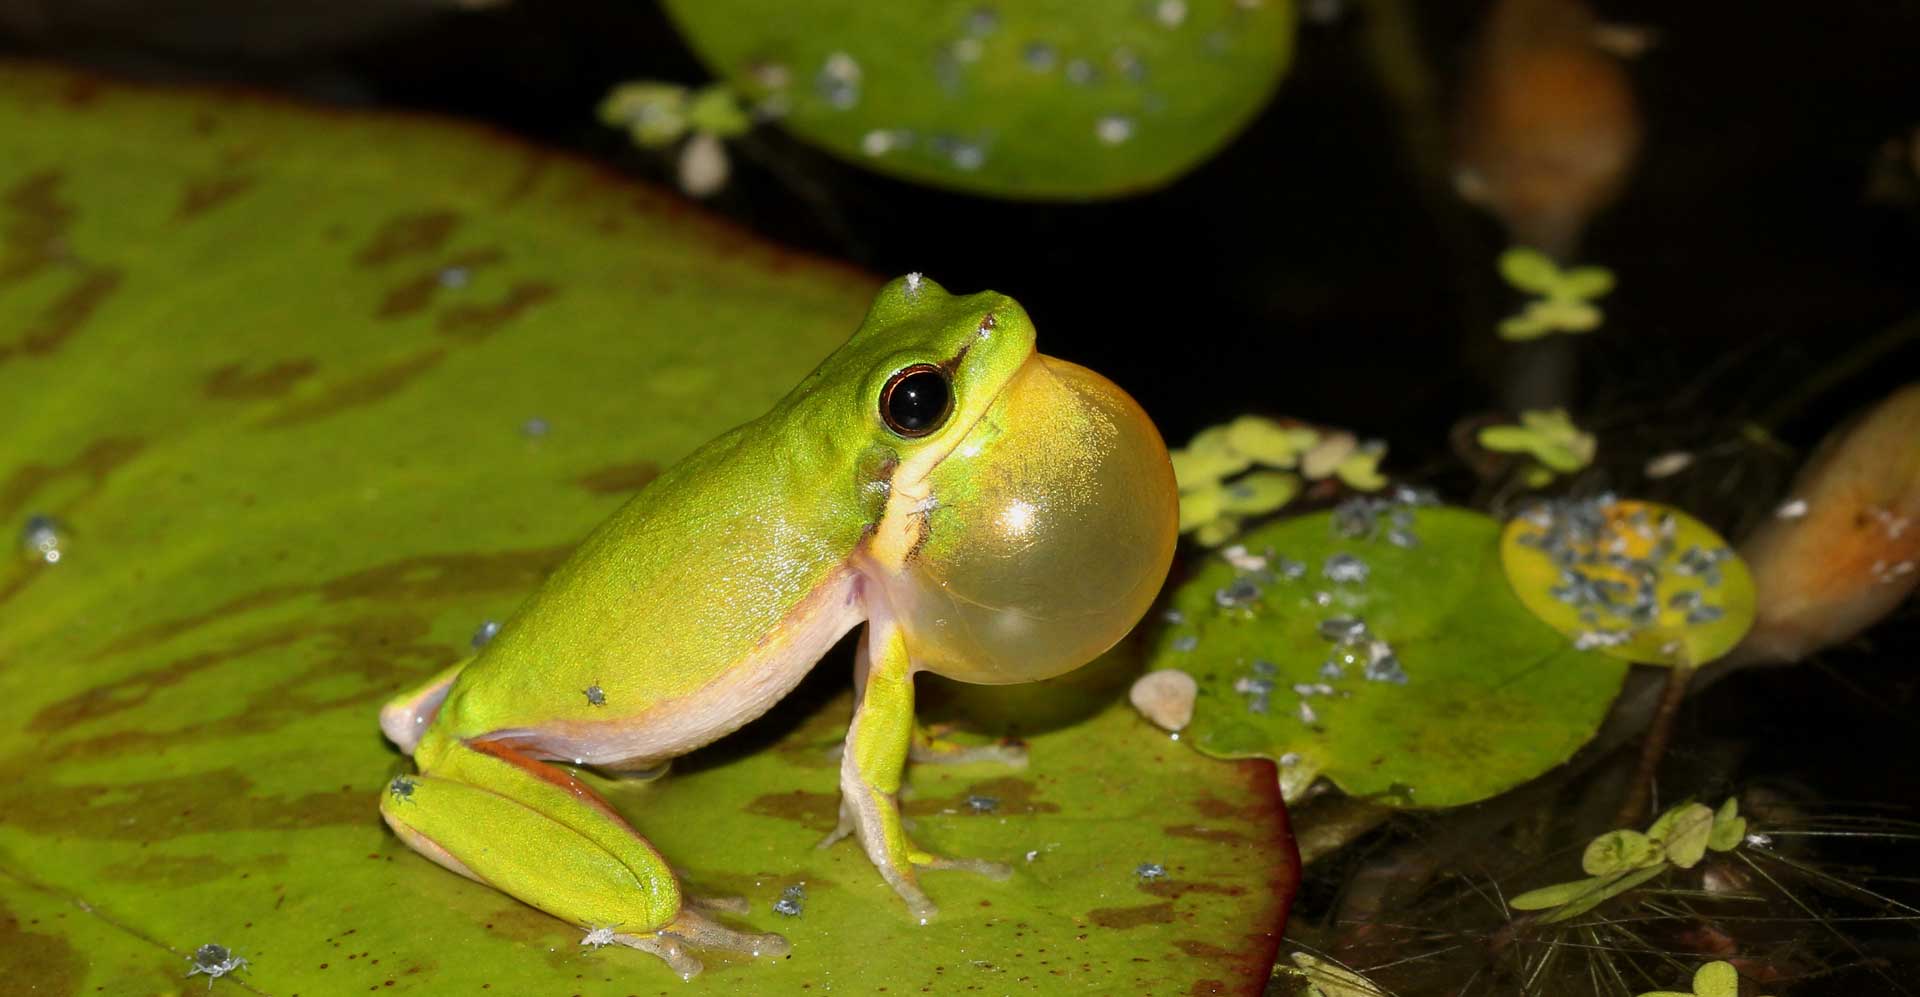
[991, 514]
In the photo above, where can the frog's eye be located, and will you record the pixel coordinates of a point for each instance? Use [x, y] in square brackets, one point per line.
[916, 400]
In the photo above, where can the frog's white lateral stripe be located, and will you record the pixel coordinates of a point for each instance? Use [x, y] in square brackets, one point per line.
[743, 691]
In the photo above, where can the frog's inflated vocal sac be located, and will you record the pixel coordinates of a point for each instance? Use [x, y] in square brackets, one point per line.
[992, 514]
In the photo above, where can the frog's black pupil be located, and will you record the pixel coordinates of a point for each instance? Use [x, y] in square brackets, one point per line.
[916, 402]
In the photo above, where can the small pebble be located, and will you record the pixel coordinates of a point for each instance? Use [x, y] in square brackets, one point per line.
[1165, 698]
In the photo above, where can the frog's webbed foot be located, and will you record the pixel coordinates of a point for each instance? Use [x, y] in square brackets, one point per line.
[689, 930]
[718, 905]
[996, 871]
[933, 745]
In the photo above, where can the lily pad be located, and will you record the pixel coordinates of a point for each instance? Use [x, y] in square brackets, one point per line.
[1380, 647]
[1639, 581]
[302, 398]
[1046, 99]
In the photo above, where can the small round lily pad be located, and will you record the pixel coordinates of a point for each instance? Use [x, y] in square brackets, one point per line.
[1043, 99]
[1634, 580]
[1379, 645]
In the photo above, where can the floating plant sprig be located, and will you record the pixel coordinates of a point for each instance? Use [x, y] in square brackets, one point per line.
[1255, 465]
[1549, 437]
[657, 115]
[1715, 979]
[1566, 297]
[1622, 859]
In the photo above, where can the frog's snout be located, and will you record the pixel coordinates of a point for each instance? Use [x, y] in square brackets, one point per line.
[1053, 528]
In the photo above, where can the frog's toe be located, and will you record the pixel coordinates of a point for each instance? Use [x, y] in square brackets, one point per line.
[979, 867]
[718, 905]
[1012, 754]
[934, 744]
[700, 932]
[668, 949]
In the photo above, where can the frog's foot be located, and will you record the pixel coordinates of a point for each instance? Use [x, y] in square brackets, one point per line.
[689, 930]
[718, 905]
[997, 871]
[933, 745]
[882, 834]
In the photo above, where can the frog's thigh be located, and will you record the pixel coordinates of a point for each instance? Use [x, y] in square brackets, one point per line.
[532, 831]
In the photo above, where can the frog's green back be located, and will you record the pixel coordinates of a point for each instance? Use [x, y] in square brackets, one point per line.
[682, 583]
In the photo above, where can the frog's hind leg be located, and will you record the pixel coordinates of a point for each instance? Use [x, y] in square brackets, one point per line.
[537, 833]
[405, 717]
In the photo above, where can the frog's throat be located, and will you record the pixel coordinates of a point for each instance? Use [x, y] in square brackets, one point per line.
[903, 522]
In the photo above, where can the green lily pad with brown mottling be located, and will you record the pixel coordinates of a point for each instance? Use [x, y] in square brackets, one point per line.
[1379, 646]
[290, 402]
[1068, 99]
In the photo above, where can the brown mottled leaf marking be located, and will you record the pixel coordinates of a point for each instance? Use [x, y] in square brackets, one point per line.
[408, 235]
[424, 580]
[33, 962]
[384, 651]
[1216, 835]
[1203, 950]
[1012, 796]
[1174, 889]
[64, 317]
[476, 321]
[203, 195]
[361, 390]
[158, 809]
[815, 810]
[35, 220]
[94, 466]
[416, 294]
[32, 240]
[619, 479]
[1122, 918]
[234, 383]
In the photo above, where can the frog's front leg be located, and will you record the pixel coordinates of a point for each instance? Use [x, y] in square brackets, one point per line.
[871, 766]
[493, 814]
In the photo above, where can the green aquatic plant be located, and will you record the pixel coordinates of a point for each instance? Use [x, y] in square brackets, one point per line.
[1254, 465]
[1565, 302]
[1549, 437]
[1620, 860]
[1715, 979]
[659, 115]
[1218, 492]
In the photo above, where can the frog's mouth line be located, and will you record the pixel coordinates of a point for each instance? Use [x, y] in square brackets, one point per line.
[904, 523]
